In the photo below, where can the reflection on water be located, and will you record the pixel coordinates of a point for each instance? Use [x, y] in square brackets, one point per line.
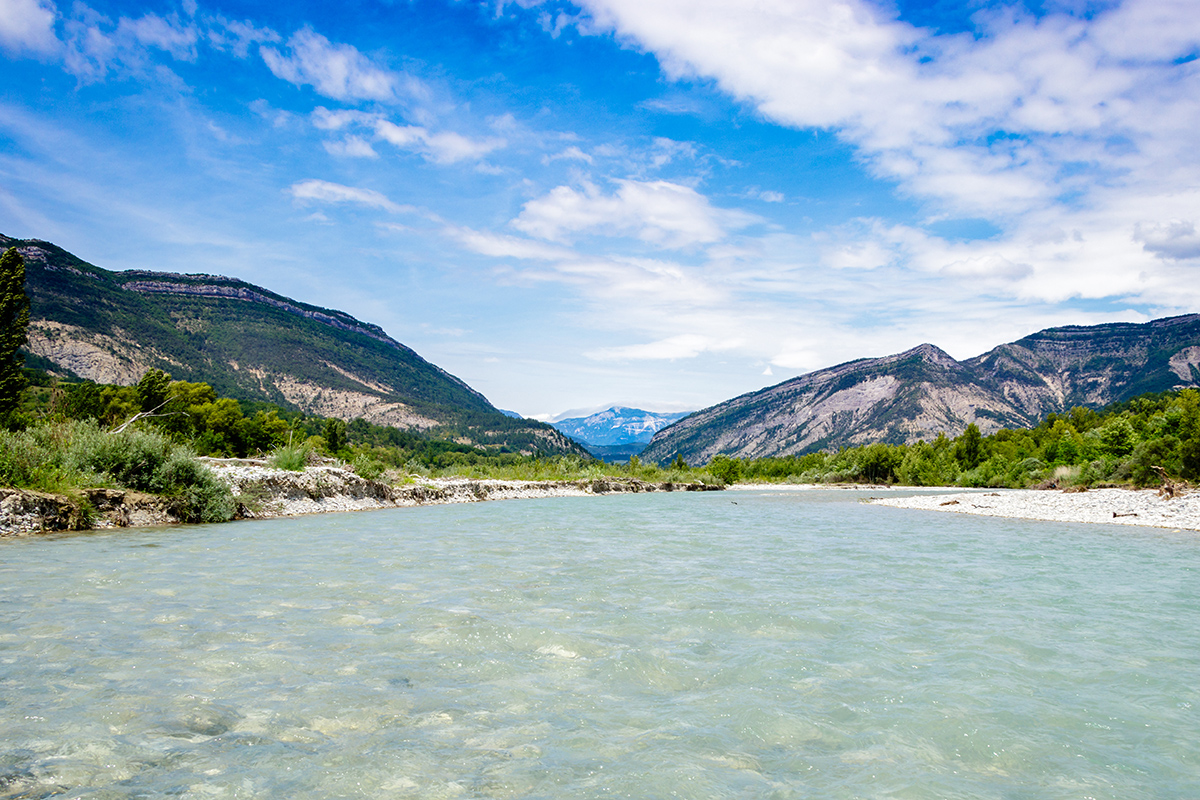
[788, 645]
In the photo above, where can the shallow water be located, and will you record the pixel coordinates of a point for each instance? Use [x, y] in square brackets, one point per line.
[778, 645]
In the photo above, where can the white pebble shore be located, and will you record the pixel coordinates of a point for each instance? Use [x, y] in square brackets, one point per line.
[1109, 506]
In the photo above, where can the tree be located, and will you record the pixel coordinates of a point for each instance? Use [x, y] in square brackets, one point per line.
[152, 389]
[335, 435]
[14, 322]
[968, 448]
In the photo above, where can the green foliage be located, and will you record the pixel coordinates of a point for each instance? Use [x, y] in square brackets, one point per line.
[14, 322]
[289, 457]
[66, 456]
[334, 433]
[152, 389]
[722, 467]
[969, 448]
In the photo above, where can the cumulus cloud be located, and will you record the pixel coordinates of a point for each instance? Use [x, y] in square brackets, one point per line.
[660, 213]
[338, 71]
[27, 25]
[999, 123]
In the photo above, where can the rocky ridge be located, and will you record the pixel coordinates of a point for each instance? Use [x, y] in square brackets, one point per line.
[922, 392]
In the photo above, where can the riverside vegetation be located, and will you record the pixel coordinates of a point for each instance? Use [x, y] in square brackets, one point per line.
[66, 436]
[72, 435]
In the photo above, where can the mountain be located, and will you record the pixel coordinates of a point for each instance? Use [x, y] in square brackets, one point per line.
[922, 392]
[616, 433]
[249, 343]
[617, 425]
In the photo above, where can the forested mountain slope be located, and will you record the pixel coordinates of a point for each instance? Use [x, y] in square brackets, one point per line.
[248, 343]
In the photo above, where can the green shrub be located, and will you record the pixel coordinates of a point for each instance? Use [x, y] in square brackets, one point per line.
[366, 467]
[66, 456]
[293, 459]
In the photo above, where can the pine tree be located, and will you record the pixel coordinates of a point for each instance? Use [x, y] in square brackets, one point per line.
[14, 320]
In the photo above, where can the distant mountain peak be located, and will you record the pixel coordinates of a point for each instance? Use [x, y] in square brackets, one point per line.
[619, 425]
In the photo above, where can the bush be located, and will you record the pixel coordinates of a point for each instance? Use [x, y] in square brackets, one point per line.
[293, 459]
[63, 457]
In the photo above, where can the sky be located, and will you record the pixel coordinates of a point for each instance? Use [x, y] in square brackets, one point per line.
[654, 203]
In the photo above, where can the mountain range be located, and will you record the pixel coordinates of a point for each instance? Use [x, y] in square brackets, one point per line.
[616, 433]
[251, 344]
[922, 392]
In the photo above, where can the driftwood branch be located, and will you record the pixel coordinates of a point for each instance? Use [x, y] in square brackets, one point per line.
[1169, 488]
[147, 415]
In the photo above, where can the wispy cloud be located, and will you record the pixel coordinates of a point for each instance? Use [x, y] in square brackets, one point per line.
[686, 345]
[338, 71]
[327, 192]
[1000, 126]
[443, 147]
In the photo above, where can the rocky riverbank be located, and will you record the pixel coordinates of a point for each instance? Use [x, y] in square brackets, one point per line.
[263, 492]
[1110, 506]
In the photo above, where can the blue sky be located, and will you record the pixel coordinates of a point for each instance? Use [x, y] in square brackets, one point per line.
[656, 203]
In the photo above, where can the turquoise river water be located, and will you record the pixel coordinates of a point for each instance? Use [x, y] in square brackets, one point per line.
[722, 645]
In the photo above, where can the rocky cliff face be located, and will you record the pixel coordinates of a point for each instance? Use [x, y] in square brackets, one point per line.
[922, 392]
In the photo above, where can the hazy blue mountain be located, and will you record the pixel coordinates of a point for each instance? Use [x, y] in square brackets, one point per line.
[617, 426]
[922, 392]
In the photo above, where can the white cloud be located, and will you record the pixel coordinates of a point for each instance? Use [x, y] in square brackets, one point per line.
[339, 71]
[239, 36]
[686, 345]
[572, 153]
[326, 192]
[327, 120]
[27, 25]
[1175, 239]
[351, 147]
[660, 213]
[924, 109]
[167, 34]
[443, 147]
[490, 244]
[1075, 135]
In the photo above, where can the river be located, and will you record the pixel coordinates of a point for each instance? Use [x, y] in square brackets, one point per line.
[759, 645]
